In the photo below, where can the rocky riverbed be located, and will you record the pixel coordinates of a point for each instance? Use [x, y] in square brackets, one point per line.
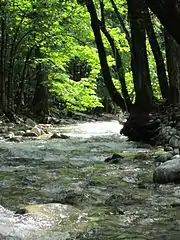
[62, 187]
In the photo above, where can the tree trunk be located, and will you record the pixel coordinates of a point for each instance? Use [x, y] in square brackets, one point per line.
[160, 66]
[40, 101]
[119, 65]
[142, 84]
[128, 37]
[3, 100]
[119, 68]
[115, 95]
[168, 12]
[20, 99]
[173, 67]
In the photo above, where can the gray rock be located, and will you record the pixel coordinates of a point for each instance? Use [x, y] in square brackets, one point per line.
[178, 126]
[176, 156]
[171, 141]
[3, 129]
[34, 132]
[172, 131]
[20, 133]
[168, 172]
[116, 158]
[176, 142]
[168, 148]
[30, 122]
[176, 151]
[14, 139]
[28, 133]
[57, 135]
[11, 135]
[164, 157]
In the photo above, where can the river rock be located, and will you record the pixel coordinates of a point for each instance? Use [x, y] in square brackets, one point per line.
[172, 141]
[30, 122]
[34, 132]
[168, 172]
[28, 133]
[168, 148]
[14, 139]
[176, 151]
[116, 158]
[57, 135]
[71, 196]
[3, 130]
[52, 211]
[164, 157]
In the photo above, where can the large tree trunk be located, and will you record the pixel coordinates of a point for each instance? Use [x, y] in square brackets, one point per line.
[115, 95]
[142, 84]
[173, 67]
[168, 12]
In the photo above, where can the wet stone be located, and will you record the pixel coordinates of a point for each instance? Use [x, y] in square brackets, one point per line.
[21, 211]
[164, 157]
[116, 211]
[71, 196]
[57, 135]
[168, 172]
[29, 134]
[116, 158]
[176, 151]
[30, 122]
[168, 148]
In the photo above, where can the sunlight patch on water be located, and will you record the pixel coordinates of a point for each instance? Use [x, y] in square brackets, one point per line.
[90, 129]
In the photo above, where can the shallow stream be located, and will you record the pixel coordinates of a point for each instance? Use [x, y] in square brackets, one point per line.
[61, 189]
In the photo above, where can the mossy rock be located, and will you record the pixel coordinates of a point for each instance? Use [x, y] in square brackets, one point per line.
[50, 211]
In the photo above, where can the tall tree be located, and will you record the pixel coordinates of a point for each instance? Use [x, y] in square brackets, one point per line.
[142, 84]
[115, 95]
[168, 12]
[40, 100]
[173, 67]
[119, 64]
[160, 65]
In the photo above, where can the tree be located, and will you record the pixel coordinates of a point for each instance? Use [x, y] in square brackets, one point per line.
[173, 67]
[168, 12]
[142, 84]
[116, 97]
[160, 65]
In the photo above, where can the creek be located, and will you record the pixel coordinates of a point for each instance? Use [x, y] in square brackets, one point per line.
[66, 190]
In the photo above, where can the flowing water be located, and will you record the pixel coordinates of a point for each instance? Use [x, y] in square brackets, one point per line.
[66, 190]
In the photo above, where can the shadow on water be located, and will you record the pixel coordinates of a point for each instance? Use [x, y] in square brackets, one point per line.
[66, 191]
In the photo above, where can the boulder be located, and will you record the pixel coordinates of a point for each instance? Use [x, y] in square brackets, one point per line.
[164, 157]
[14, 139]
[49, 211]
[57, 135]
[34, 132]
[28, 133]
[168, 148]
[30, 122]
[168, 172]
[116, 158]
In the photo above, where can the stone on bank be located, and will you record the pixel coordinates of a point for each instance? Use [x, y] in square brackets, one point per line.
[168, 172]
